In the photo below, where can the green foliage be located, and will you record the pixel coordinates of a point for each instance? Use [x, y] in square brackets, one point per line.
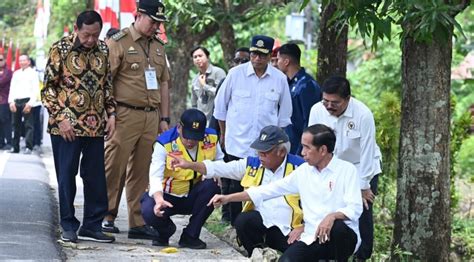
[64, 13]
[463, 237]
[459, 132]
[465, 160]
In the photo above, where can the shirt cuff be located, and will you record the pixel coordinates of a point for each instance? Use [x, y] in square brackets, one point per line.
[255, 196]
[220, 115]
[210, 171]
[364, 183]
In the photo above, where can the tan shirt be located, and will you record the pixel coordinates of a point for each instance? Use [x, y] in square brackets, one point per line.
[128, 61]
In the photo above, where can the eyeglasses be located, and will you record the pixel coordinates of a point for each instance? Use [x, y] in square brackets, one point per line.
[333, 103]
[241, 60]
[261, 55]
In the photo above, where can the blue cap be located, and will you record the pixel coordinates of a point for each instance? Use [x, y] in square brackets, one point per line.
[269, 137]
[193, 124]
[262, 44]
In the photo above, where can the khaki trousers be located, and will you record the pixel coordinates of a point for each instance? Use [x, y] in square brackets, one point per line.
[127, 160]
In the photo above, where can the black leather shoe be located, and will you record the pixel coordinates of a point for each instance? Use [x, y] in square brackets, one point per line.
[189, 242]
[160, 243]
[109, 227]
[143, 232]
[69, 236]
[85, 234]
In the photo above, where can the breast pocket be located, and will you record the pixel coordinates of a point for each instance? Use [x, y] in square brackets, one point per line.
[271, 101]
[134, 64]
[352, 142]
[159, 64]
[241, 99]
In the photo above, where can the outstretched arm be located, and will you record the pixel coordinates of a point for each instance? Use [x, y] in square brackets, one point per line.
[219, 200]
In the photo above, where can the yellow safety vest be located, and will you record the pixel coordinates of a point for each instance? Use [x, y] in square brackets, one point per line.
[254, 176]
[181, 181]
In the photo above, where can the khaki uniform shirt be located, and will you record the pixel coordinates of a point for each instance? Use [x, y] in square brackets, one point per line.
[128, 61]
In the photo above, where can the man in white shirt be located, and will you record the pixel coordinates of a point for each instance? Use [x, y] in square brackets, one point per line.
[354, 125]
[276, 223]
[24, 89]
[330, 198]
[181, 191]
[253, 95]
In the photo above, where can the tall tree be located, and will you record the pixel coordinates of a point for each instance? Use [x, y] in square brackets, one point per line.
[332, 44]
[423, 217]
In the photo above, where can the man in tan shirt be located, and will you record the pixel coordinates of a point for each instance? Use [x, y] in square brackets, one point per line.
[140, 76]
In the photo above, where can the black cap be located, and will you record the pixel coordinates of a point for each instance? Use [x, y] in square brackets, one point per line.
[262, 44]
[269, 137]
[154, 8]
[193, 124]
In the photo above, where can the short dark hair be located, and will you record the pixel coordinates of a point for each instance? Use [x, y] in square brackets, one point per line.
[88, 17]
[292, 50]
[337, 85]
[322, 136]
[112, 31]
[202, 48]
[243, 49]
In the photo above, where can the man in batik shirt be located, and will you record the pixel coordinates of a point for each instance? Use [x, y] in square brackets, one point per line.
[78, 96]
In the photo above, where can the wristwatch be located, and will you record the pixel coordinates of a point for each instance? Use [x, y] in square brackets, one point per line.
[166, 119]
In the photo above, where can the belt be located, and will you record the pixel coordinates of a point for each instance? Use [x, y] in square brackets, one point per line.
[146, 108]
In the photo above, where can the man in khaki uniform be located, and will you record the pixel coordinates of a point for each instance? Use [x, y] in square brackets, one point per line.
[140, 76]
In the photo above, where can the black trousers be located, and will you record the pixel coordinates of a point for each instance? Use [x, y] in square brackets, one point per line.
[5, 125]
[18, 118]
[231, 210]
[67, 156]
[195, 204]
[253, 234]
[340, 247]
[37, 125]
[366, 226]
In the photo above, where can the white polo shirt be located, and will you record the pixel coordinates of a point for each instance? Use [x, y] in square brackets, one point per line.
[274, 212]
[248, 103]
[355, 137]
[25, 84]
[334, 189]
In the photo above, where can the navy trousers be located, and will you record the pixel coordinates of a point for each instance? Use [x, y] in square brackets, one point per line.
[67, 157]
[230, 211]
[366, 226]
[340, 247]
[5, 125]
[195, 204]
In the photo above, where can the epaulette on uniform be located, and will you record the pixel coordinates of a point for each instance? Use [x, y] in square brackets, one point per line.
[117, 36]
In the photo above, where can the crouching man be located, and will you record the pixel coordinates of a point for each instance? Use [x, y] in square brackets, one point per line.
[180, 191]
[277, 222]
[330, 197]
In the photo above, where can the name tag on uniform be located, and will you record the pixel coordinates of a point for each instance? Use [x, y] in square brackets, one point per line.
[150, 77]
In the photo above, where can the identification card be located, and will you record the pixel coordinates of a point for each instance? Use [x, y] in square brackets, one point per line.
[150, 77]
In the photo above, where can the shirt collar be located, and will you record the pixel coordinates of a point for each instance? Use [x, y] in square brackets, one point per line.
[250, 70]
[209, 69]
[350, 108]
[135, 34]
[300, 74]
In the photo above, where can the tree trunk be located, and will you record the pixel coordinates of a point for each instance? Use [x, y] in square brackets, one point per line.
[227, 42]
[423, 218]
[332, 47]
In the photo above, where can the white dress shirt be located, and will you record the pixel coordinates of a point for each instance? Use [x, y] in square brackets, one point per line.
[248, 103]
[334, 189]
[24, 84]
[355, 137]
[274, 212]
[158, 163]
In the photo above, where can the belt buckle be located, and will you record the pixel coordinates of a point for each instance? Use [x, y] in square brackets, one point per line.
[147, 109]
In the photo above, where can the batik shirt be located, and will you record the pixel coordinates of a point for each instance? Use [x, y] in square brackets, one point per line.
[77, 87]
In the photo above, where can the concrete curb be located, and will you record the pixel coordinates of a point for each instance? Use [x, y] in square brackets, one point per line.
[28, 210]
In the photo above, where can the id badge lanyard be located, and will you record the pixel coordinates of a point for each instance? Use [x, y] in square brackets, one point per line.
[150, 72]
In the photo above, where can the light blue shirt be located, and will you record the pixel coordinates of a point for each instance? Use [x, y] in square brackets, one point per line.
[249, 103]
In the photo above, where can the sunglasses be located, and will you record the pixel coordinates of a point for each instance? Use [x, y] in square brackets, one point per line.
[241, 60]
